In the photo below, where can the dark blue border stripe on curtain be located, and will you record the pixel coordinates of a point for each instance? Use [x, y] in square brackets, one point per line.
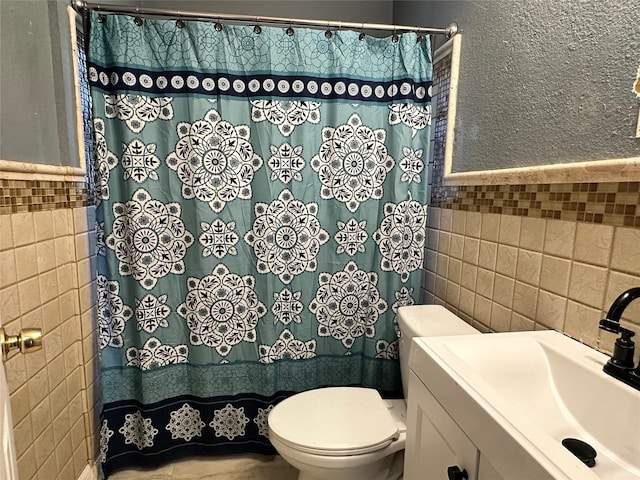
[160, 429]
[171, 82]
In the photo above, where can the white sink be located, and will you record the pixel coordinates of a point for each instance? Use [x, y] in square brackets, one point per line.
[534, 388]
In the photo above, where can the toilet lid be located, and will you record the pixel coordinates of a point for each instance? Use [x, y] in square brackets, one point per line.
[334, 421]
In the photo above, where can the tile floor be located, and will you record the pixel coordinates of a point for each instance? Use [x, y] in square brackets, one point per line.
[237, 467]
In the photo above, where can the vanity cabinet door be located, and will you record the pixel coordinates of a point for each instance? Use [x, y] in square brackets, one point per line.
[486, 471]
[434, 441]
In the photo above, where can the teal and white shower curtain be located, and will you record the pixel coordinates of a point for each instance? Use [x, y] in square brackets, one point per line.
[261, 216]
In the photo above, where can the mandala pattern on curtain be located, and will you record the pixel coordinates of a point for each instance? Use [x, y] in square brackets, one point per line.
[261, 217]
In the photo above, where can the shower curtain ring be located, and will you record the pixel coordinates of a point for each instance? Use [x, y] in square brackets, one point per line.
[362, 34]
[179, 23]
[395, 37]
[218, 26]
[137, 20]
[289, 30]
[328, 33]
[257, 29]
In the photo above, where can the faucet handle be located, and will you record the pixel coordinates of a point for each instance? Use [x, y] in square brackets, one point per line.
[615, 327]
[623, 350]
[624, 347]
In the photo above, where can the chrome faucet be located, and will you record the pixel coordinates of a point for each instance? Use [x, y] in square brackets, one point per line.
[620, 365]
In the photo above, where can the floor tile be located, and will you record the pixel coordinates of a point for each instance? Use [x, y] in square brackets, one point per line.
[236, 467]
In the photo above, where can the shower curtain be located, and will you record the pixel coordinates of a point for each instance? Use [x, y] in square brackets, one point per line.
[261, 216]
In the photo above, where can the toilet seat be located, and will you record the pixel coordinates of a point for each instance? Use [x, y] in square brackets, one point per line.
[334, 421]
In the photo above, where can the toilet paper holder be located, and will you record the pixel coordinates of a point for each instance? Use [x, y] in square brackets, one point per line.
[27, 341]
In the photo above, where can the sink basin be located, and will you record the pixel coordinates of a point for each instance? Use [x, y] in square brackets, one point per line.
[532, 390]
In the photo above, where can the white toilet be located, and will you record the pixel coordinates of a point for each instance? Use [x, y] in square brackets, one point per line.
[351, 433]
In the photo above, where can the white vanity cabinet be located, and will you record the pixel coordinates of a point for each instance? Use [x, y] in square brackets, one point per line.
[437, 449]
[488, 471]
[457, 424]
[434, 441]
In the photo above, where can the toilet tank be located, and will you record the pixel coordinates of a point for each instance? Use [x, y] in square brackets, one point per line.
[425, 321]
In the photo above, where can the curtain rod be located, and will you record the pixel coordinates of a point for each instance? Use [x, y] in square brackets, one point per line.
[84, 7]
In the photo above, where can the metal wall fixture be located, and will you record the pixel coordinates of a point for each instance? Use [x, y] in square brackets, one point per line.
[83, 7]
[29, 340]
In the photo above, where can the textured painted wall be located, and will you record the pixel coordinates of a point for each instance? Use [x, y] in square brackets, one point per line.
[36, 109]
[28, 113]
[373, 11]
[541, 81]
